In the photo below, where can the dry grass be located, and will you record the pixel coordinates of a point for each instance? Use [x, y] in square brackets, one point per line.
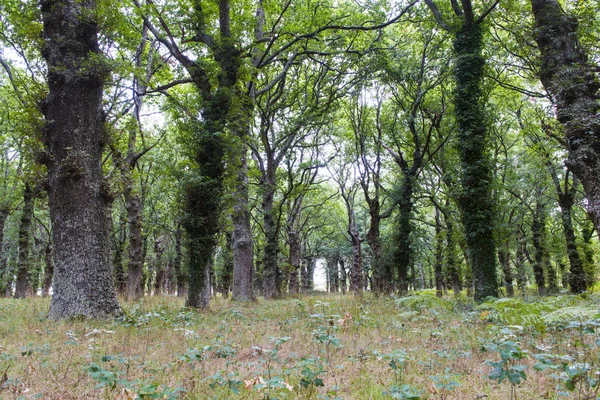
[162, 350]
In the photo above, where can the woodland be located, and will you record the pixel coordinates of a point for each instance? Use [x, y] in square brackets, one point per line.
[320, 186]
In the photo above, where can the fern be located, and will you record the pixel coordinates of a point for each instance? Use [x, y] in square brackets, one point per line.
[420, 301]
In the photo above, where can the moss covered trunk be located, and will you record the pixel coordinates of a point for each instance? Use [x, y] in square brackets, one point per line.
[22, 287]
[475, 201]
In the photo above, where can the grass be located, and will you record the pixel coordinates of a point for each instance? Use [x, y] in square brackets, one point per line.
[318, 346]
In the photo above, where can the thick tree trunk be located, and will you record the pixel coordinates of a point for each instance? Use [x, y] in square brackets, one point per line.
[204, 191]
[476, 179]
[243, 246]
[22, 286]
[74, 136]
[271, 238]
[568, 75]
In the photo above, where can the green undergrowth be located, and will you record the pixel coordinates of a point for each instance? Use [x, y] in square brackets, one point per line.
[310, 347]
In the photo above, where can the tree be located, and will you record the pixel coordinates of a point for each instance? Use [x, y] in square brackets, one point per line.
[476, 202]
[570, 77]
[74, 136]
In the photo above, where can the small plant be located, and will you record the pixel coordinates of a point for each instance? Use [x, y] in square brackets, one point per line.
[508, 367]
[269, 356]
[445, 383]
[311, 368]
[231, 382]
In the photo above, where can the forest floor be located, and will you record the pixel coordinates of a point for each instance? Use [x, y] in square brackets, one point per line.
[314, 346]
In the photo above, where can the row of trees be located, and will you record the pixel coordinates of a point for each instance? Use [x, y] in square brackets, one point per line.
[194, 147]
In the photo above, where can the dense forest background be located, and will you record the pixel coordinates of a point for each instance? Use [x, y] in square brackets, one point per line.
[233, 146]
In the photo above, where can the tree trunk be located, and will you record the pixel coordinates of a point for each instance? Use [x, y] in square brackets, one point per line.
[504, 259]
[570, 77]
[451, 261]
[343, 276]
[520, 262]
[119, 246]
[48, 269]
[356, 276]
[22, 286]
[4, 212]
[476, 179]
[538, 228]
[439, 247]
[179, 274]
[576, 277]
[74, 136]
[307, 276]
[403, 253]
[243, 246]
[294, 260]
[381, 274]
[271, 238]
[161, 281]
[133, 205]
[228, 266]
[333, 273]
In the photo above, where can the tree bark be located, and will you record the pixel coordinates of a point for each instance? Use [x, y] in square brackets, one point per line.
[451, 261]
[48, 269]
[382, 275]
[294, 260]
[4, 212]
[569, 76]
[504, 259]
[180, 276]
[403, 253]
[520, 263]
[133, 205]
[271, 238]
[243, 246]
[226, 277]
[22, 286]
[343, 276]
[356, 276]
[333, 273]
[74, 136]
[538, 228]
[308, 275]
[439, 247]
[476, 178]
[118, 249]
